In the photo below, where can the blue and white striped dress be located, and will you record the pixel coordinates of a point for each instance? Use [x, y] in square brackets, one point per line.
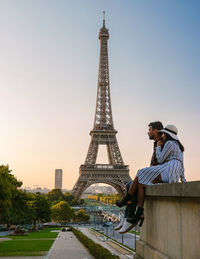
[170, 167]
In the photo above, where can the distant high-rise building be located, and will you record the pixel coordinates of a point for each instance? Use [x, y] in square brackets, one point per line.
[58, 179]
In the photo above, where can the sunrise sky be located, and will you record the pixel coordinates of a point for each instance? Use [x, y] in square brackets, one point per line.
[49, 54]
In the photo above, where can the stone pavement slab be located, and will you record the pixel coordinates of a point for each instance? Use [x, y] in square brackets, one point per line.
[67, 246]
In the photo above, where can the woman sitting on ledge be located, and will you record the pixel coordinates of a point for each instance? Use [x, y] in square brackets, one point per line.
[169, 170]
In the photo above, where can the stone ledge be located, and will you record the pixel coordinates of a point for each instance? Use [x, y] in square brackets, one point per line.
[144, 251]
[139, 249]
[187, 189]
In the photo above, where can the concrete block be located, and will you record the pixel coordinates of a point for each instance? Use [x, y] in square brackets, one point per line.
[187, 189]
[140, 248]
[150, 253]
[146, 252]
[158, 255]
[191, 189]
[172, 222]
[164, 190]
[190, 234]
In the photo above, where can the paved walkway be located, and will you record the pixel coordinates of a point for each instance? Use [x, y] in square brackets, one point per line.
[67, 246]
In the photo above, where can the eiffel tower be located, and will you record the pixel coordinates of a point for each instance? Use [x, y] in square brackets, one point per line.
[115, 173]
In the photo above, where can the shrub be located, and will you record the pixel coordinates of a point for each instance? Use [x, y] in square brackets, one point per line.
[96, 250]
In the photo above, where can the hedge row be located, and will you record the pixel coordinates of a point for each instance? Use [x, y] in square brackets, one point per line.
[98, 251]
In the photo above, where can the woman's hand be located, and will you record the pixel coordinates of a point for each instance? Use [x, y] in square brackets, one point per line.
[159, 143]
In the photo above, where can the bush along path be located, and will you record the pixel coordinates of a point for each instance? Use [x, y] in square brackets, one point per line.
[98, 251]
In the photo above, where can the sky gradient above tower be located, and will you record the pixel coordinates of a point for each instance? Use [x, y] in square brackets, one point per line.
[48, 81]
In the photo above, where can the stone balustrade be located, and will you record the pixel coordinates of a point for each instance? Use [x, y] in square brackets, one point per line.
[171, 229]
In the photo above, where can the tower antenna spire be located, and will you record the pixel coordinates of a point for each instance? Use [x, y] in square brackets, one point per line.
[104, 19]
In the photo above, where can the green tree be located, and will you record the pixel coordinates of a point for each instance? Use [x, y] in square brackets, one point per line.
[18, 206]
[75, 202]
[81, 216]
[39, 208]
[61, 212]
[8, 191]
[18, 214]
[55, 195]
[68, 198]
[82, 201]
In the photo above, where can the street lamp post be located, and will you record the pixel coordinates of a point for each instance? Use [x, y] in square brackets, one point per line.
[135, 237]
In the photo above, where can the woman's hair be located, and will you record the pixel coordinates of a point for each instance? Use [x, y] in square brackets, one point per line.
[168, 137]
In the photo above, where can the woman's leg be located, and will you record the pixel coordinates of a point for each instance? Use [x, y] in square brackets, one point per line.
[141, 195]
[135, 217]
[139, 214]
[158, 179]
[129, 197]
[141, 190]
[141, 198]
[133, 187]
[144, 176]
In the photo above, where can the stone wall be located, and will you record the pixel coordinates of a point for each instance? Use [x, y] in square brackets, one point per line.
[172, 222]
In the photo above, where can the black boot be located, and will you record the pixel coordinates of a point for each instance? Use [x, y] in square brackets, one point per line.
[132, 207]
[138, 217]
[124, 201]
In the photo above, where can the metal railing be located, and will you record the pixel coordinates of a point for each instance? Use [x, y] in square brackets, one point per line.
[104, 166]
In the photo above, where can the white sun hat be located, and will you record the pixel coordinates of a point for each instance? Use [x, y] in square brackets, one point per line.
[170, 130]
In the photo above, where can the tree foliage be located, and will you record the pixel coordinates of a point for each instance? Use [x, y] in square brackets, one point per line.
[40, 208]
[18, 206]
[18, 214]
[106, 198]
[62, 212]
[8, 192]
[81, 216]
[55, 196]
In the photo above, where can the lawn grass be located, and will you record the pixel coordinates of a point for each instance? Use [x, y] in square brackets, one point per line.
[89, 202]
[24, 247]
[32, 244]
[46, 233]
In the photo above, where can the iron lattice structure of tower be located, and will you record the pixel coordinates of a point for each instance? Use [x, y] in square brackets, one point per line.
[115, 173]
